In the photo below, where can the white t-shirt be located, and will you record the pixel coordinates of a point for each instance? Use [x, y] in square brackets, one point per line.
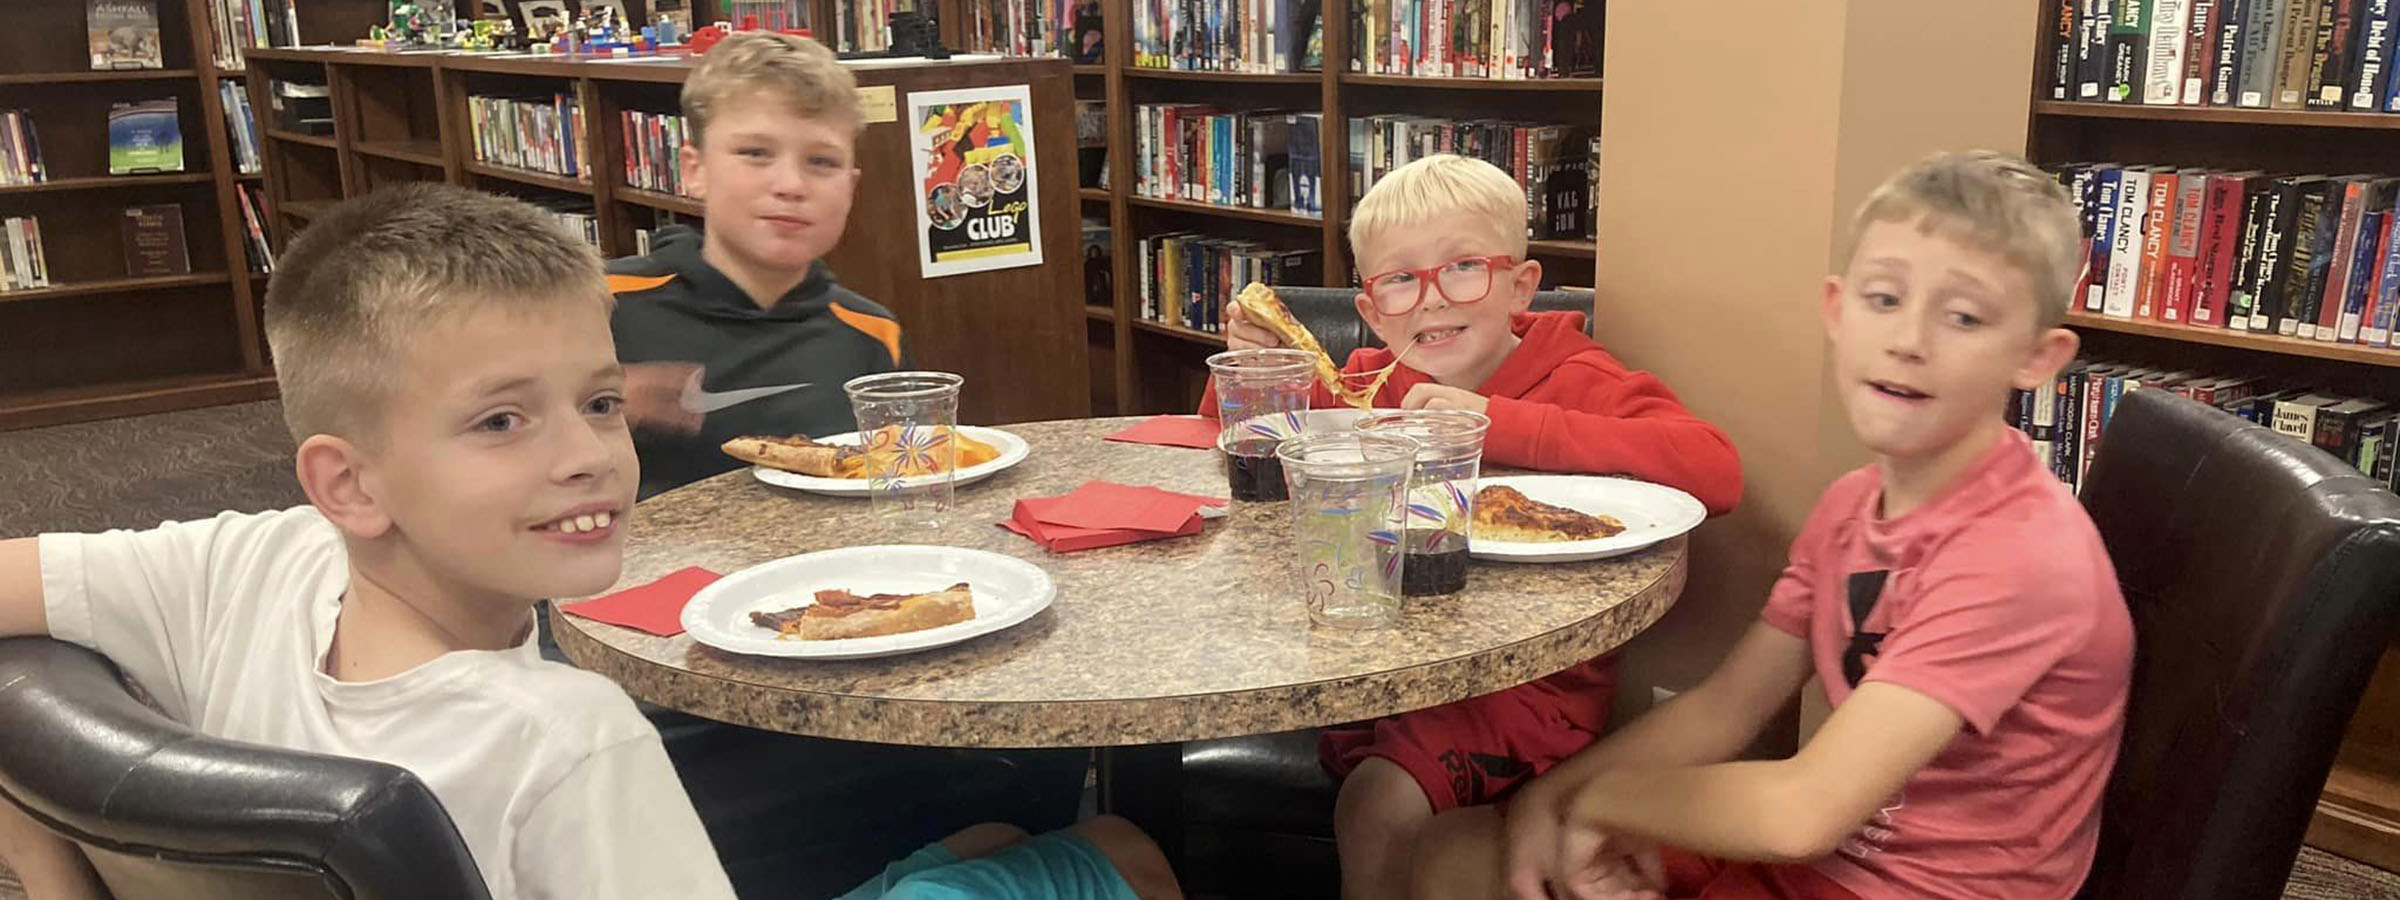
[558, 784]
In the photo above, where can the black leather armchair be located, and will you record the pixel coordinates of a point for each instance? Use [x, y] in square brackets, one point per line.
[168, 814]
[1331, 315]
[2263, 577]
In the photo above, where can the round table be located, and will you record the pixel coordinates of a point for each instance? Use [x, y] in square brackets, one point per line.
[1165, 641]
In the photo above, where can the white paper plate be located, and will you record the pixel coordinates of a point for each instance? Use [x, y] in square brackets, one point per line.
[1651, 513]
[1007, 591]
[1012, 451]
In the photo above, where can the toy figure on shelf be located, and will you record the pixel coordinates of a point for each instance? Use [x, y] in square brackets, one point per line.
[410, 25]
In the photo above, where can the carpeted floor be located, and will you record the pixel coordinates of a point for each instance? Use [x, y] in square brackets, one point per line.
[134, 473]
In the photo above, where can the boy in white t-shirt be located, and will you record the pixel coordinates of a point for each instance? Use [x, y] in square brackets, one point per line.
[446, 366]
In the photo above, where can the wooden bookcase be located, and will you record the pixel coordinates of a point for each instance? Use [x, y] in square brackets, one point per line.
[2359, 813]
[403, 117]
[1157, 366]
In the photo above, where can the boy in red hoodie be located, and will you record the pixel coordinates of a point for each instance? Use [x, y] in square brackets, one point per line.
[1440, 245]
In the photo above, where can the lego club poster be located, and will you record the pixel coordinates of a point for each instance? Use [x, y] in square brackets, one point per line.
[976, 179]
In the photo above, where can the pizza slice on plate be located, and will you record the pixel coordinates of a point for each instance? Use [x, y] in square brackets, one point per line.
[839, 614]
[1504, 513]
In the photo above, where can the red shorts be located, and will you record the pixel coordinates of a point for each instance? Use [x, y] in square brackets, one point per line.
[1691, 877]
[1478, 750]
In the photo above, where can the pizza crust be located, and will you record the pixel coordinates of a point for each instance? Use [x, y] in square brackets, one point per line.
[839, 615]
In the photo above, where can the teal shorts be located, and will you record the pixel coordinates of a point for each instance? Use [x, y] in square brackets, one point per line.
[1055, 866]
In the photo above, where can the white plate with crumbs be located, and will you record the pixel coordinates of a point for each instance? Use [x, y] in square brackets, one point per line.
[1006, 591]
[1013, 450]
[1651, 513]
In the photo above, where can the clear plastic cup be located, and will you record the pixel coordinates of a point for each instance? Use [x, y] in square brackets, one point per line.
[1260, 396]
[1441, 493]
[1349, 497]
[908, 421]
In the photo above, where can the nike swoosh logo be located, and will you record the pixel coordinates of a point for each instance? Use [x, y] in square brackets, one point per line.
[700, 401]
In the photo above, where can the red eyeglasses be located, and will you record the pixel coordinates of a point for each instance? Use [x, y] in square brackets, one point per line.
[1467, 279]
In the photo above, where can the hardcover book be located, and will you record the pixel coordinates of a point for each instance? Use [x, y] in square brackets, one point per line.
[123, 34]
[145, 137]
[154, 241]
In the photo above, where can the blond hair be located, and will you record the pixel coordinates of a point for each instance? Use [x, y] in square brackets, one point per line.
[374, 272]
[798, 72]
[1439, 185]
[1991, 202]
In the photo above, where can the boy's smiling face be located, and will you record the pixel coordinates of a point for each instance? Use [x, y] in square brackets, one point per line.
[777, 185]
[505, 468]
[1928, 338]
[1459, 341]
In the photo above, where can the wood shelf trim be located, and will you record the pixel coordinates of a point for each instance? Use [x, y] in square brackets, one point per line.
[421, 152]
[106, 182]
[117, 285]
[1193, 335]
[1581, 249]
[675, 203]
[1099, 313]
[1094, 194]
[55, 406]
[1277, 216]
[1252, 77]
[1553, 85]
[529, 176]
[102, 75]
[1089, 69]
[294, 137]
[2219, 114]
[2222, 337]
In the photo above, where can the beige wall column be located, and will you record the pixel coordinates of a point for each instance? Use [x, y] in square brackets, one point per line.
[1735, 141]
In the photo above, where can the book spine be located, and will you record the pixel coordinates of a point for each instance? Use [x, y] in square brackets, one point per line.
[2200, 54]
[2162, 81]
[2220, 242]
[2344, 247]
[2045, 423]
[2225, 72]
[2125, 252]
[2093, 385]
[2310, 233]
[2273, 218]
[2128, 44]
[2363, 261]
[2292, 82]
[2157, 221]
[2329, 57]
[2374, 55]
[2262, 40]
[2092, 20]
[2183, 247]
[2110, 185]
[2376, 330]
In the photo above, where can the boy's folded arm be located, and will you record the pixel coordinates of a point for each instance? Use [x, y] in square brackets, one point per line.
[1790, 810]
[617, 826]
[1634, 432]
[21, 610]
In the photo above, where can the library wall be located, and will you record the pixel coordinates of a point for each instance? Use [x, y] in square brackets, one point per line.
[1758, 157]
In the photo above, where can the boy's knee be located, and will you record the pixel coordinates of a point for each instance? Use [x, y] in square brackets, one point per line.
[977, 841]
[1135, 856]
[1458, 856]
[1380, 795]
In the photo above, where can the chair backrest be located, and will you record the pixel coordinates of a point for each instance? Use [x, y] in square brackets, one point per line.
[2263, 576]
[1330, 314]
[167, 813]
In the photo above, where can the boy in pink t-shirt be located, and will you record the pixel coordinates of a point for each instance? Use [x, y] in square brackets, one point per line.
[1952, 597]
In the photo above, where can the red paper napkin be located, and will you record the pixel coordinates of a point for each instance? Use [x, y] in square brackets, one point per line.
[656, 607]
[1105, 514]
[1172, 431]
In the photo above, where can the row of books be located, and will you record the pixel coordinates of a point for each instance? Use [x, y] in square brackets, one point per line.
[239, 25]
[2305, 256]
[1505, 39]
[1265, 159]
[2067, 418]
[241, 126]
[578, 217]
[261, 255]
[1187, 278]
[1068, 28]
[2261, 54]
[862, 26]
[1099, 276]
[23, 265]
[1554, 163]
[20, 150]
[652, 145]
[1229, 35]
[540, 134]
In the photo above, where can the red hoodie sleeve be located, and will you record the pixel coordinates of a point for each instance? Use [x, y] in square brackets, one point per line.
[1615, 422]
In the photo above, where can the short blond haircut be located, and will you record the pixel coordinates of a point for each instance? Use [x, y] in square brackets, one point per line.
[372, 274]
[1992, 202]
[795, 71]
[1436, 186]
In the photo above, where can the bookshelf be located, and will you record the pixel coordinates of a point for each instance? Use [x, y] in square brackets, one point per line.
[1147, 366]
[2358, 813]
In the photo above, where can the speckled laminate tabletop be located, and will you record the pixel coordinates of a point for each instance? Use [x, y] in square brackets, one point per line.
[1181, 639]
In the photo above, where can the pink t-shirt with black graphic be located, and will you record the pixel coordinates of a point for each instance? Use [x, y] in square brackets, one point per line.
[1998, 600]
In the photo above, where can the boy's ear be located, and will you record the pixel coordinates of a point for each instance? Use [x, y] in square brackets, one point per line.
[1366, 308]
[2053, 349]
[1526, 281]
[687, 161]
[1830, 310]
[332, 471]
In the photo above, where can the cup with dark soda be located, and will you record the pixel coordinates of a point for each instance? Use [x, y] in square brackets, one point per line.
[1441, 493]
[1261, 398]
